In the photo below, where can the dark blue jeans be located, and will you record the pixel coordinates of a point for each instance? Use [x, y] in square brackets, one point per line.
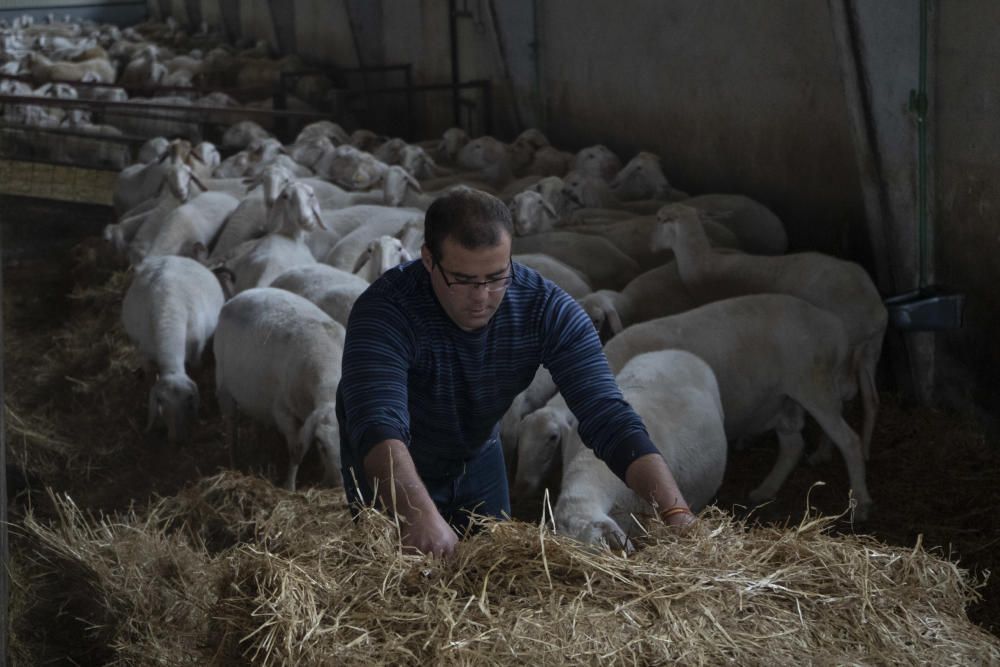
[478, 486]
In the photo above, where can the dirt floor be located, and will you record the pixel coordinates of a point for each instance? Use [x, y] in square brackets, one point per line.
[934, 476]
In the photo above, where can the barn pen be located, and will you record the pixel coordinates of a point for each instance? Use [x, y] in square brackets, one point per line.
[325, 130]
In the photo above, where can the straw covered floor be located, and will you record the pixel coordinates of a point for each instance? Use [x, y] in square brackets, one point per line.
[139, 554]
[235, 570]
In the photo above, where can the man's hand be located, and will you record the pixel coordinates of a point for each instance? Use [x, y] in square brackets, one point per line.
[390, 469]
[429, 533]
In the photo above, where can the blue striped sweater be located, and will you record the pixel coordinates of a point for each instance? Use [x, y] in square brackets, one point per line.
[411, 374]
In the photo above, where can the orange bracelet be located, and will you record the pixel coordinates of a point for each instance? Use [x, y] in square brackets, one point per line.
[673, 511]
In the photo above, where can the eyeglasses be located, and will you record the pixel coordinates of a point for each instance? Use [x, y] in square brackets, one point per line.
[495, 285]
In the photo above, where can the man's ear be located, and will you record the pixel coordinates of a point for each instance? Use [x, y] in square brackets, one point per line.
[425, 257]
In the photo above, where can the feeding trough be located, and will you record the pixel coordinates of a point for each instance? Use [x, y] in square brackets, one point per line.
[931, 308]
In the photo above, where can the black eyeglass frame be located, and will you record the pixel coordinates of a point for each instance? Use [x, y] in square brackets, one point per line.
[490, 286]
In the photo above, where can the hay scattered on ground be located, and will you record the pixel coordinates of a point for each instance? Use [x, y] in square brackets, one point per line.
[234, 570]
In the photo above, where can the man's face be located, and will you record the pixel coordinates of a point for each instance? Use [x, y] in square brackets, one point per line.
[469, 307]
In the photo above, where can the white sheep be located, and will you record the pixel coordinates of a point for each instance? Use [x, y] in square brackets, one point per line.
[643, 178]
[382, 254]
[278, 359]
[323, 128]
[242, 134]
[604, 265]
[170, 312]
[776, 358]
[141, 223]
[312, 280]
[838, 286]
[656, 293]
[190, 228]
[353, 245]
[598, 161]
[152, 150]
[677, 396]
[591, 197]
[569, 279]
[333, 290]
[758, 229]
[293, 214]
[537, 394]
[350, 168]
[249, 220]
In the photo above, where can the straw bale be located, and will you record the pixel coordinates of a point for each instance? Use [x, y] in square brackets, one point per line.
[248, 573]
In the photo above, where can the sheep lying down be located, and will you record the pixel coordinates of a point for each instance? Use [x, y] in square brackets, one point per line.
[677, 397]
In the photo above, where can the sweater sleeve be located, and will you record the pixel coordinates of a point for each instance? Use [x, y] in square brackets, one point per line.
[378, 352]
[573, 354]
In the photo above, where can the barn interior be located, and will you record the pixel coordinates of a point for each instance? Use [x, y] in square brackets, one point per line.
[866, 129]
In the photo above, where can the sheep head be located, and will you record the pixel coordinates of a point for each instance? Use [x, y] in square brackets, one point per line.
[598, 161]
[532, 214]
[677, 223]
[540, 438]
[603, 313]
[395, 184]
[417, 162]
[273, 180]
[641, 178]
[452, 141]
[482, 153]
[295, 211]
[584, 191]
[321, 430]
[174, 398]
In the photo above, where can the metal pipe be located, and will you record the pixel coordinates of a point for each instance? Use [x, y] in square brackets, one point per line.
[455, 76]
[921, 108]
[103, 105]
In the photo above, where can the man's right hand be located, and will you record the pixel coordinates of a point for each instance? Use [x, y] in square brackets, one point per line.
[429, 533]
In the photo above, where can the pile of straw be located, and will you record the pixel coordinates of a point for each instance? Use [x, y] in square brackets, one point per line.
[233, 570]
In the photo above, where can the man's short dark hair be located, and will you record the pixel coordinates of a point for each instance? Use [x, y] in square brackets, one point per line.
[470, 217]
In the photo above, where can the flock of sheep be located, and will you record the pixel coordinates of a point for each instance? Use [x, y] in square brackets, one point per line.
[122, 65]
[715, 334]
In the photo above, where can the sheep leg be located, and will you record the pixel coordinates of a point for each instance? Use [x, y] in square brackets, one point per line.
[869, 401]
[286, 423]
[826, 409]
[824, 451]
[790, 446]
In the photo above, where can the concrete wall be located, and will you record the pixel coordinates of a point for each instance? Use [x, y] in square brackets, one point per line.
[967, 168]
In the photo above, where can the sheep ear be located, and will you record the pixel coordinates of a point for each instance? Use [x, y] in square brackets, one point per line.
[414, 183]
[318, 219]
[549, 209]
[362, 258]
[614, 321]
[199, 252]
